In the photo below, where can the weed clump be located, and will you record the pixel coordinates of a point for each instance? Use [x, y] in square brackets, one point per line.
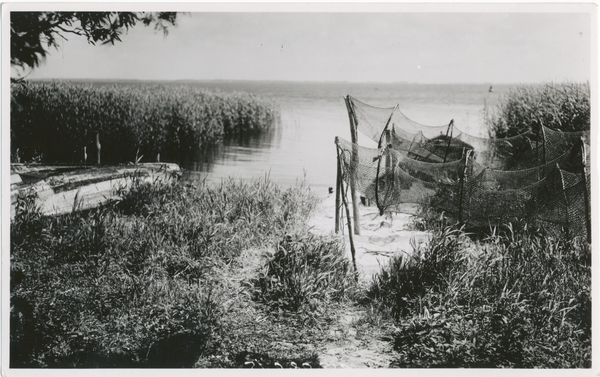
[406, 284]
[306, 273]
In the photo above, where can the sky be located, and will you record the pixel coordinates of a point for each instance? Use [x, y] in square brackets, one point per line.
[364, 46]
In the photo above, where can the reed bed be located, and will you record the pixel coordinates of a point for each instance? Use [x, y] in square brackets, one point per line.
[559, 106]
[54, 122]
[143, 282]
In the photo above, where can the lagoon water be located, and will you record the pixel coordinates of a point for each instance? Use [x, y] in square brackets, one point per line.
[313, 114]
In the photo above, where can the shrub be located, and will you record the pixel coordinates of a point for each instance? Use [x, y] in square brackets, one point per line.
[564, 107]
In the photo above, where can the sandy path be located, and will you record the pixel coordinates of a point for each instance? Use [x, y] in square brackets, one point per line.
[363, 346]
[380, 238]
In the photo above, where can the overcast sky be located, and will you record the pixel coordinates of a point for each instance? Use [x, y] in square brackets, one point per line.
[421, 47]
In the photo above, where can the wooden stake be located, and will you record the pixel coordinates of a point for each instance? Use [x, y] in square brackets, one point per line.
[463, 181]
[98, 145]
[586, 193]
[352, 251]
[338, 189]
[384, 135]
[562, 188]
[354, 159]
[450, 131]
[543, 144]
[537, 152]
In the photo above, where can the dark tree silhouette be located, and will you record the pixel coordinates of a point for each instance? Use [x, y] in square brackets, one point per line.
[34, 33]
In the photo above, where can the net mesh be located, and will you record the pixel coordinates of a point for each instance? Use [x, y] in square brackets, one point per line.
[471, 192]
[447, 143]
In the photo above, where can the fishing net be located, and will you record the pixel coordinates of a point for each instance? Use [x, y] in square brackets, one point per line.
[445, 143]
[371, 120]
[553, 192]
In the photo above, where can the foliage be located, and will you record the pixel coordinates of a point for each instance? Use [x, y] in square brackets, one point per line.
[138, 283]
[564, 107]
[406, 283]
[32, 34]
[516, 299]
[54, 122]
[306, 273]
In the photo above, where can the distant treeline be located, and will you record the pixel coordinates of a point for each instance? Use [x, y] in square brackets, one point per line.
[53, 122]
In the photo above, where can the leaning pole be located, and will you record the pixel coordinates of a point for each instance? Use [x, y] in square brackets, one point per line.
[353, 165]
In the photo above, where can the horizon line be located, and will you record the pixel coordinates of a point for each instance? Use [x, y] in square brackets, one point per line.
[304, 81]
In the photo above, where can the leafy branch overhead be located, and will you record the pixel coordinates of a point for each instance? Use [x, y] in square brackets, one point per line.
[34, 33]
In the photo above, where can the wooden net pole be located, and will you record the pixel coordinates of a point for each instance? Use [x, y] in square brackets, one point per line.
[354, 163]
[449, 133]
[586, 192]
[338, 189]
[463, 182]
[350, 237]
[382, 154]
[564, 197]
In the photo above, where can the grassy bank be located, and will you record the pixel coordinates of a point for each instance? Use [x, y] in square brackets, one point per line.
[171, 276]
[517, 298]
[231, 276]
[53, 122]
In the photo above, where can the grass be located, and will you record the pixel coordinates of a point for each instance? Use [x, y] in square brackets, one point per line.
[518, 298]
[153, 280]
[559, 106]
[53, 122]
[306, 271]
[230, 276]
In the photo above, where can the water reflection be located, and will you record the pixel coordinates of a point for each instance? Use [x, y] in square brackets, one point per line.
[233, 156]
[301, 147]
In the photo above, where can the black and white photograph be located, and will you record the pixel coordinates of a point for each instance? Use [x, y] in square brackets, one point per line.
[366, 188]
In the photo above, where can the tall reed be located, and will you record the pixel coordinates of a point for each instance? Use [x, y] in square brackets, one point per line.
[559, 106]
[53, 122]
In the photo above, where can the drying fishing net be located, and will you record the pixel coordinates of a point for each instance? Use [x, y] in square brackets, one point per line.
[471, 192]
[445, 143]
[371, 120]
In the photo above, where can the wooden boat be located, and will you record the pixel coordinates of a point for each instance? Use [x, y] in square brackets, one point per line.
[65, 188]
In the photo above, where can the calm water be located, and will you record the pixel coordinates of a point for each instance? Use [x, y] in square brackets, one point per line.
[313, 114]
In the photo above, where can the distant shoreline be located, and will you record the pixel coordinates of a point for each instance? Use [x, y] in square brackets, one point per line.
[233, 81]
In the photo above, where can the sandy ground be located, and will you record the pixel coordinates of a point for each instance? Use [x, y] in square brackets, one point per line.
[381, 236]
